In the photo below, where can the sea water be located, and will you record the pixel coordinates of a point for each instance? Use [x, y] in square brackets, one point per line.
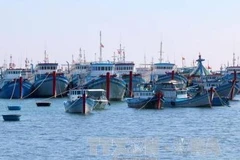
[119, 132]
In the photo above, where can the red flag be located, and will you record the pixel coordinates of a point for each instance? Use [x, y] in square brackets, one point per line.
[101, 45]
[119, 51]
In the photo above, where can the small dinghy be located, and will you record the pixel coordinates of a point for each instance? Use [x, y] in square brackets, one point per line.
[43, 104]
[11, 117]
[14, 107]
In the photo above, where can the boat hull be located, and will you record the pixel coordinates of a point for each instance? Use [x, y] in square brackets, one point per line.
[11, 90]
[100, 104]
[135, 81]
[202, 100]
[224, 90]
[117, 87]
[153, 103]
[11, 117]
[220, 101]
[142, 103]
[44, 87]
[76, 106]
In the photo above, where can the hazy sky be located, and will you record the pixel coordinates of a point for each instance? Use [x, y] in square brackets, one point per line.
[186, 27]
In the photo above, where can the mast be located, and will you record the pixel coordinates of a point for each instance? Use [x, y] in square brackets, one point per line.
[45, 56]
[11, 63]
[120, 52]
[234, 59]
[114, 57]
[145, 62]
[160, 59]
[73, 59]
[100, 58]
[80, 55]
[123, 55]
[84, 57]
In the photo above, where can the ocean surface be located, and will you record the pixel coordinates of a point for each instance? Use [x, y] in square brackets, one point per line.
[119, 132]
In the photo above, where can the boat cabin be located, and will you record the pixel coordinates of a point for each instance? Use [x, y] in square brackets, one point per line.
[75, 94]
[80, 68]
[144, 90]
[43, 68]
[124, 67]
[101, 68]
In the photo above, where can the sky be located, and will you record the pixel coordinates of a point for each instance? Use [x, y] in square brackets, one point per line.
[61, 27]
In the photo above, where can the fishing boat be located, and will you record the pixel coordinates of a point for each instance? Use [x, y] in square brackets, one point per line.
[178, 97]
[49, 81]
[161, 68]
[144, 97]
[102, 76]
[126, 70]
[167, 95]
[145, 70]
[223, 88]
[79, 102]
[78, 71]
[15, 82]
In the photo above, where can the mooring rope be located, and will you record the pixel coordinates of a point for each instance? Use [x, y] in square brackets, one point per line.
[15, 82]
[37, 87]
[146, 103]
[222, 101]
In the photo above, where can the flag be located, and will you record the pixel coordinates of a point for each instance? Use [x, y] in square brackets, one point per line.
[101, 45]
[183, 58]
[209, 67]
[119, 51]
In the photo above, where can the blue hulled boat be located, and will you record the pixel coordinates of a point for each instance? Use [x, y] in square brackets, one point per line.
[126, 71]
[222, 87]
[49, 80]
[78, 72]
[15, 84]
[98, 80]
[175, 96]
[144, 98]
